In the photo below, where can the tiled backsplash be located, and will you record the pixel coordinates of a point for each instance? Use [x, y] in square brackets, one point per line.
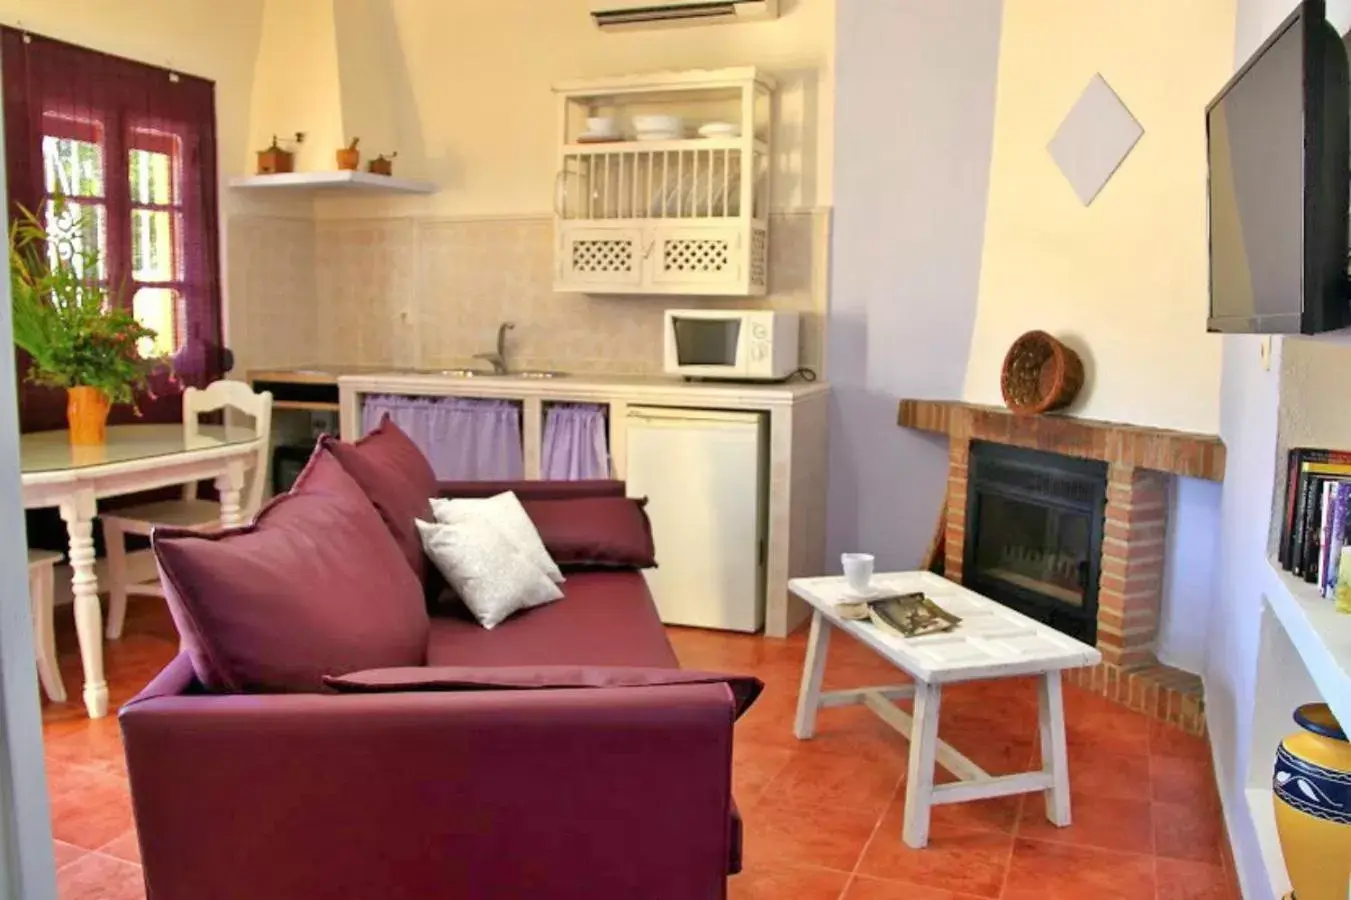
[431, 292]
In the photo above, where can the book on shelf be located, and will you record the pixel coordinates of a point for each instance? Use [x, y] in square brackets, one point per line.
[1315, 511]
[1341, 494]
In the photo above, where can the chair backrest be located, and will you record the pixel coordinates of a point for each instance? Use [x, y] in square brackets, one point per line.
[236, 395]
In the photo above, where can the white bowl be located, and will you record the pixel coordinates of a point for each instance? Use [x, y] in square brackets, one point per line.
[673, 125]
[600, 125]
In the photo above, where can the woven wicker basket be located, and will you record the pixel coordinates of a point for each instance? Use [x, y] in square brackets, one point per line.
[1040, 375]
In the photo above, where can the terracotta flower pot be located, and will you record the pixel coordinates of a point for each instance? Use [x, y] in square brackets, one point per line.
[87, 412]
[1312, 792]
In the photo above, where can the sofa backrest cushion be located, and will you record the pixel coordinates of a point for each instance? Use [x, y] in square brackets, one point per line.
[531, 490]
[745, 688]
[397, 478]
[315, 586]
[601, 532]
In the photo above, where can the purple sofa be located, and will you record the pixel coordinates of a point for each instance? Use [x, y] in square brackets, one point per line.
[595, 793]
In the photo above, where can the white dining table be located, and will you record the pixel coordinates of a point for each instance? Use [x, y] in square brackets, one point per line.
[135, 458]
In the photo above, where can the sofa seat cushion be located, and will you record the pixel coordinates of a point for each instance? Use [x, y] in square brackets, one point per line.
[606, 618]
[314, 586]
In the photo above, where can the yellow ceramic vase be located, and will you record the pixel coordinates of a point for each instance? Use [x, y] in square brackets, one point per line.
[1312, 789]
[87, 412]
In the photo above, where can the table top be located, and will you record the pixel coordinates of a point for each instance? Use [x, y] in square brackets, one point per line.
[51, 451]
[992, 640]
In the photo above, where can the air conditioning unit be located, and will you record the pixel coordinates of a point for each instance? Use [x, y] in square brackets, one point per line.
[627, 15]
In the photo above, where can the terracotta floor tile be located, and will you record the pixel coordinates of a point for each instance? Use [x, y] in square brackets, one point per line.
[865, 888]
[1108, 823]
[838, 780]
[1045, 871]
[66, 854]
[781, 882]
[754, 767]
[1168, 740]
[98, 877]
[967, 862]
[95, 814]
[98, 745]
[1105, 774]
[125, 847]
[779, 831]
[1188, 832]
[1182, 880]
[1187, 780]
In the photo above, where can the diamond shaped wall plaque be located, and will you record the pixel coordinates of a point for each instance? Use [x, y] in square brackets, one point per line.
[1095, 138]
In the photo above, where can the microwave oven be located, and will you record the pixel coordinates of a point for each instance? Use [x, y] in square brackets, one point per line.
[737, 344]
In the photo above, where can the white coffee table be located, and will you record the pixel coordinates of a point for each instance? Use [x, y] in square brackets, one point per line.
[992, 641]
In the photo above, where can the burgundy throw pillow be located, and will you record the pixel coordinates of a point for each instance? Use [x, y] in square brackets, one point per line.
[607, 532]
[314, 587]
[531, 490]
[745, 689]
[397, 478]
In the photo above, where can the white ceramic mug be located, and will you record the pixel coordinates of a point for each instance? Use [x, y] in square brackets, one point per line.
[858, 571]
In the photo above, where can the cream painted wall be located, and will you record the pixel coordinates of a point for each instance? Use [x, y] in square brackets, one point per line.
[1123, 280]
[469, 87]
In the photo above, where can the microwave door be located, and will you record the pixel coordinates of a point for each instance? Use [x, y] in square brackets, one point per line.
[706, 342]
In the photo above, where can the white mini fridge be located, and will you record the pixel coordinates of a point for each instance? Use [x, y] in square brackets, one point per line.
[704, 473]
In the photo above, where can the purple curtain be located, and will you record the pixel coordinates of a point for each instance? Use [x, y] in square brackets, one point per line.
[575, 445]
[465, 440]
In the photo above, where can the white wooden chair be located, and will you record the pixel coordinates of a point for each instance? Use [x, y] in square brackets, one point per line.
[41, 600]
[190, 511]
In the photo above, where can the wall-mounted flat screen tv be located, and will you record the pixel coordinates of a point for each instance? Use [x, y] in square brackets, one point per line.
[1277, 137]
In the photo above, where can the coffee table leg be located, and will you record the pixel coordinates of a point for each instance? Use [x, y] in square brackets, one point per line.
[1054, 758]
[919, 780]
[809, 695]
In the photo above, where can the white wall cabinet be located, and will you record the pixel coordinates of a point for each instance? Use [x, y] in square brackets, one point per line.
[684, 215]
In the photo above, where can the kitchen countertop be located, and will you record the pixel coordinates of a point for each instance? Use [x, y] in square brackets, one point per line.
[582, 387]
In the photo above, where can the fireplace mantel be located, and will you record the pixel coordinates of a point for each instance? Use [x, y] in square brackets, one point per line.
[1172, 452]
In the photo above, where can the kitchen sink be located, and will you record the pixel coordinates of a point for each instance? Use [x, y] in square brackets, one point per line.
[465, 373]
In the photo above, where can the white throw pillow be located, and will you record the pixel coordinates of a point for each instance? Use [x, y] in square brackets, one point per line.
[492, 577]
[505, 513]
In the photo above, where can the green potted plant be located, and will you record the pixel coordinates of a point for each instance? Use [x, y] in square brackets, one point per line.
[75, 329]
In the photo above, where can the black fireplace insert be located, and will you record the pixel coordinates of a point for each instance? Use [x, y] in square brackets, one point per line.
[1034, 525]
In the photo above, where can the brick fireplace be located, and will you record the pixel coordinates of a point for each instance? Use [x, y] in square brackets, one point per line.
[1129, 570]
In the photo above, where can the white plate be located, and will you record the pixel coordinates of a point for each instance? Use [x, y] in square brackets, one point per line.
[848, 596]
[720, 130]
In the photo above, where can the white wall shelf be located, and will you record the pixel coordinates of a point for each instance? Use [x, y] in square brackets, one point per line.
[1321, 635]
[341, 181]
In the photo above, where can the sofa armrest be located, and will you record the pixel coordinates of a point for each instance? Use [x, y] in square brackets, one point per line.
[592, 793]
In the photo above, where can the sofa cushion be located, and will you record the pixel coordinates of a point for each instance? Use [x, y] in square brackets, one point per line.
[314, 586]
[610, 532]
[745, 688]
[491, 575]
[606, 618]
[397, 478]
[532, 490]
[504, 513]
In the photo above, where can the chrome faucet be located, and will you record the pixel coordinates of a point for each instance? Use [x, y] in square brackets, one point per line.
[498, 359]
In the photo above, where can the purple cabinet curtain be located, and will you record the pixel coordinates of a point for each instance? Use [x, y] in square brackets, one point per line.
[465, 440]
[575, 445]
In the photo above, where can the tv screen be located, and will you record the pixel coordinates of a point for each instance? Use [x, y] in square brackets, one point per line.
[1278, 157]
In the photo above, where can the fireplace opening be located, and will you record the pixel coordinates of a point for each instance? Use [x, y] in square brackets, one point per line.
[1034, 524]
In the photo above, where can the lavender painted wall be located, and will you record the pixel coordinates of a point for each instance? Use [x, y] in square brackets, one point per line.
[914, 127]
